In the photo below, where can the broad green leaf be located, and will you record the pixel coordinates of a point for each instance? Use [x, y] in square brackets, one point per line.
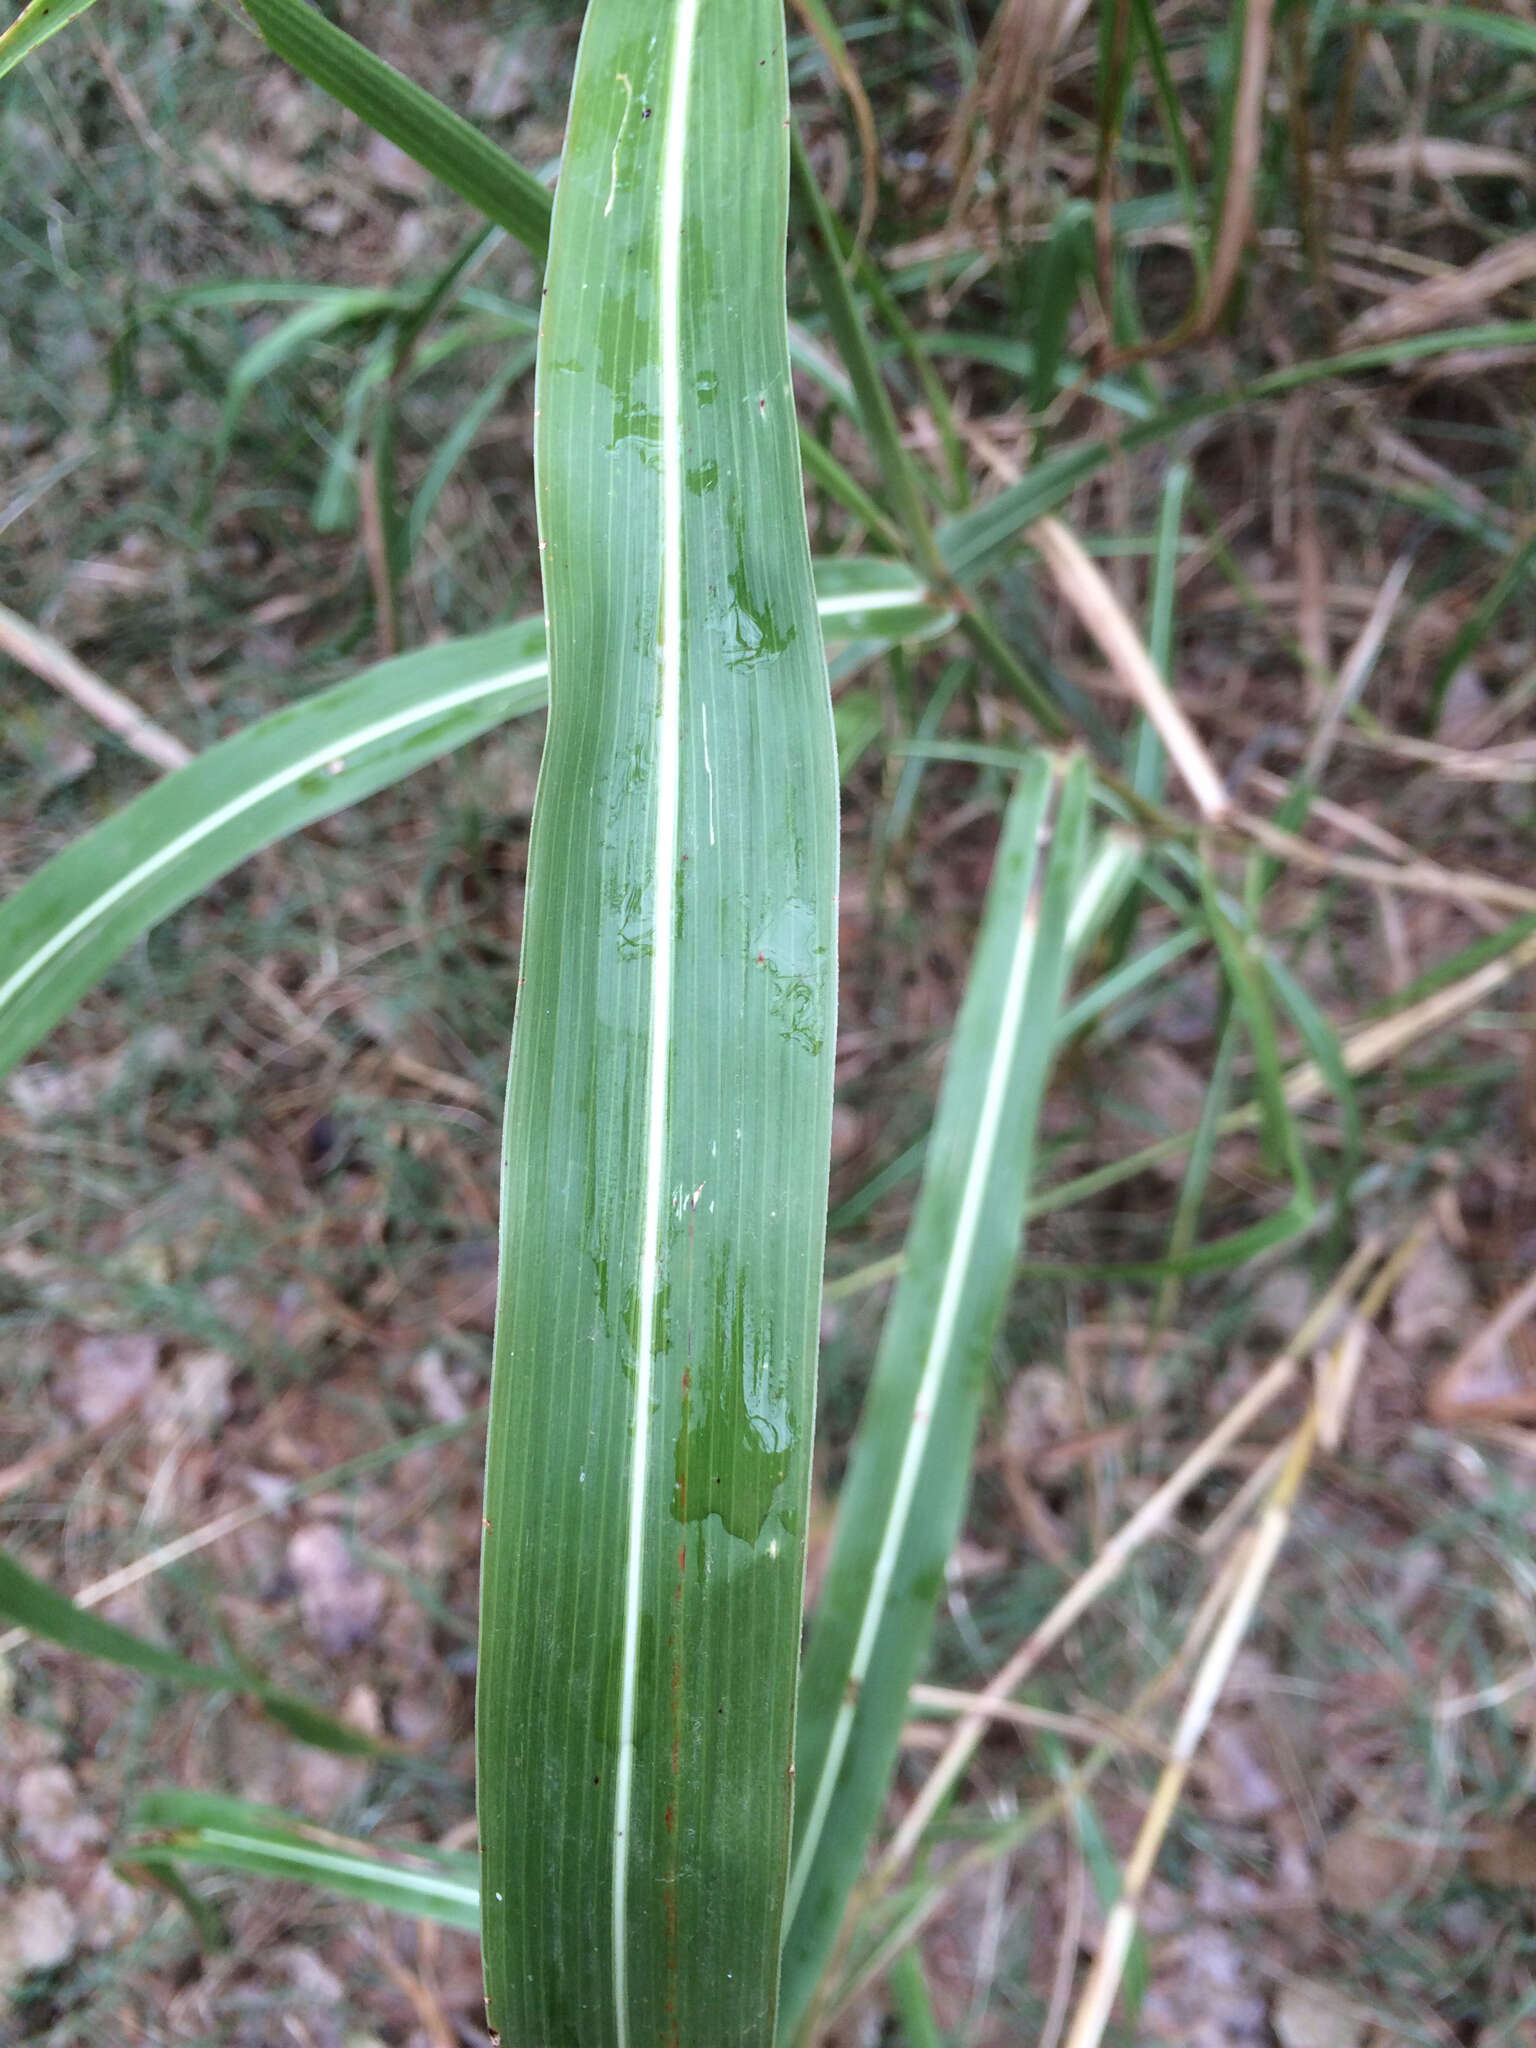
[34, 25]
[36, 1607]
[441, 141]
[665, 1173]
[62, 929]
[175, 1828]
[901, 1503]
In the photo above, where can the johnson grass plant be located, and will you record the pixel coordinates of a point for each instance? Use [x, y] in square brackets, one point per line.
[685, 1821]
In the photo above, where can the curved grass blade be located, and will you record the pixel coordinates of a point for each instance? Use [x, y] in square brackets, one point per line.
[970, 542]
[665, 1175]
[175, 1828]
[901, 1503]
[441, 141]
[34, 25]
[820, 240]
[458, 441]
[1197, 1169]
[37, 1608]
[1504, 31]
[63, 928]
[312, 323]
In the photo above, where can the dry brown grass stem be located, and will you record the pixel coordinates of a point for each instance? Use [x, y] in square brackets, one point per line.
[1101, 614]
[1235, 226]
[1242, 165]
[1446, 301]
[1012, 79]
[1258, 1555]
[1148, 1520]
[1501, 1325]
[51, 663]
[945, 1699]
[847, 75]
[1374, 1044]
[1220, 1533]
[1434, 156]
[1104, 618]
[1042, 1815]
[1418, 877]
[376, 551]
[1321, 1426]
[1353, 824]
[1356, 668]
[1066, 1949]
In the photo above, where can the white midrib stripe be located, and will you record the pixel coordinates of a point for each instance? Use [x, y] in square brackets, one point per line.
[659, 1034]
[339, 749]
[956, 1275]
[410, 1881]
[885, 599]
[342, 748]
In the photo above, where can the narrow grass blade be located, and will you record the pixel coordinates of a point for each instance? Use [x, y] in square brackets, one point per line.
[862, 598]
[1172, 118]
[457, 443]
[1515, 575]
[1197, 1169]
[821, 243]
[970, 542]
[62, 929]
[34, 25]
[175, 1828]
[1504, 31]
[441, 141]
[1279, 1136]
[291, 337]
[37, 1608]
[1147, 762]
[905, 1491]
[822, 467]
[665, 1171]
[1126, 979]
[1057, 276]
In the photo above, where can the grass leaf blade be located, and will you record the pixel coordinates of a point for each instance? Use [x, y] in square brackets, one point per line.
[665, 1171]
[67, 924]
[914, 1444]
[34, 25]
[431, 134]
[175, 1828]
[37, 1608]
